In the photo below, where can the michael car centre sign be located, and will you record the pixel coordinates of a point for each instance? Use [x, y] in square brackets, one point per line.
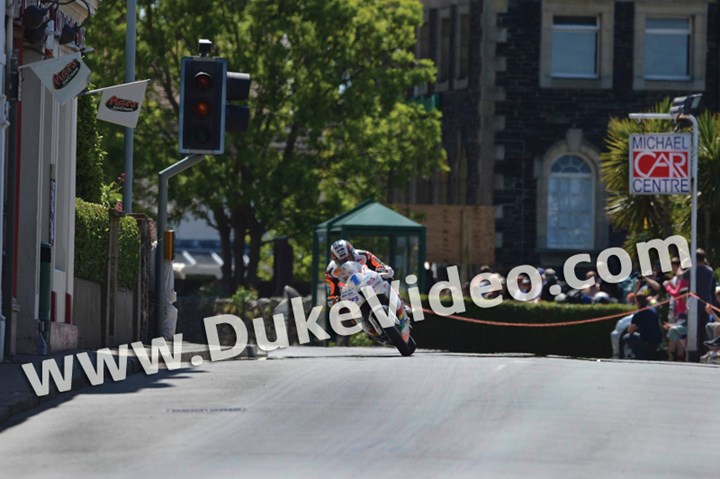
[660, 164]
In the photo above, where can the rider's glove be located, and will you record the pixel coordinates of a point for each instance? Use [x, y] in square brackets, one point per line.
[387, 272]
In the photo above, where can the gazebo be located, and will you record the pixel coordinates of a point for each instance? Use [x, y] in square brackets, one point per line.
[397, 240]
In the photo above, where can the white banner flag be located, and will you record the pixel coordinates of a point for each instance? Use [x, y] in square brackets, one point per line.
[120, 104]
[64, 76]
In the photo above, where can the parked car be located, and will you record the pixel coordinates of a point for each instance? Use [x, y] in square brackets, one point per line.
[617, 339]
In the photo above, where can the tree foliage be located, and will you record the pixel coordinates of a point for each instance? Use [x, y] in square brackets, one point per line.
[331, 123]
[645, 217]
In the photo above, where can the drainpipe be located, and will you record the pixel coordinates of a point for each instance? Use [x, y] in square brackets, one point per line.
[8, 270]
[3, 127]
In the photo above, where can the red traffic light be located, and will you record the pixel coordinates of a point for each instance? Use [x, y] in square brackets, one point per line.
[203, 80]
[202, 105]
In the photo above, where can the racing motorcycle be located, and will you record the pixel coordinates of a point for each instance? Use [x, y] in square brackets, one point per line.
[354, 280]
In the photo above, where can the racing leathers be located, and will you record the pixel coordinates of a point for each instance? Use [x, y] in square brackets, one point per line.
[366, 258]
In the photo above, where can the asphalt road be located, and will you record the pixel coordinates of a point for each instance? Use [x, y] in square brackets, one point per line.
[346, 412]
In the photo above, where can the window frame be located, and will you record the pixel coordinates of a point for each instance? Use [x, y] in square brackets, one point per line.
[462, 81]
[577, 28]
[604, 11]
[574, 144]
[687, 33]
[443, 84]
[590, 177]
[696, 11]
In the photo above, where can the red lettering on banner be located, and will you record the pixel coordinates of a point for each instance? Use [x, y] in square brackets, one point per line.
[62, 78]
[120, 104]
[661, 164]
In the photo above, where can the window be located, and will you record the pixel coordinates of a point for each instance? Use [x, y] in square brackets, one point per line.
[667, 49]
[575, 47]
[670, 45]
[444, 71]
[464, 47]
[576, 44]
[570, 204]
[442, 37]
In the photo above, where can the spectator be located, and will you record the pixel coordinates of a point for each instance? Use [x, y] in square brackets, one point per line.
[588, 293]
[649, 283]
[551, 279]
[676, 328]
[644, 333]
[713, 326]
[677, 288]
[524, 286]
[676, 334]
[503, 292]
[705, 287]
[630, 298]
[612, 290]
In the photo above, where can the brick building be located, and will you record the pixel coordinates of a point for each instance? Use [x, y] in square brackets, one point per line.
[527, 87]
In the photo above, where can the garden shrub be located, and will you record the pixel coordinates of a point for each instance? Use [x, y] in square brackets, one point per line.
[91, 241]
[92, 228]
[129, 254]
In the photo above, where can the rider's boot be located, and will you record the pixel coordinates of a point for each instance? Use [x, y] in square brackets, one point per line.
[409, 314]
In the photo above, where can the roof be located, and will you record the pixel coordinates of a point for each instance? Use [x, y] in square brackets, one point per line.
[370, 217]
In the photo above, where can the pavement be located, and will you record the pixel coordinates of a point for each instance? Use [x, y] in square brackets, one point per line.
[17, 394]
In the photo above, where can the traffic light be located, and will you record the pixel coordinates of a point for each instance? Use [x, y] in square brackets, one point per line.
[202, 105]
[238, 89]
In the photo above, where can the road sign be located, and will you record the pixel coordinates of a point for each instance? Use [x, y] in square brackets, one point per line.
[660, 164]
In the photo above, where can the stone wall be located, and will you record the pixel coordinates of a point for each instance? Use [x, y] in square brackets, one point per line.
[192, 310]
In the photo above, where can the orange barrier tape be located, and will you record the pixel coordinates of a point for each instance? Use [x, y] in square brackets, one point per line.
[714, 308]
[547, 325]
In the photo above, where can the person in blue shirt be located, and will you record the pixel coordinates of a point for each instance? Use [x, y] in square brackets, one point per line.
[644, 333]
[705, 288]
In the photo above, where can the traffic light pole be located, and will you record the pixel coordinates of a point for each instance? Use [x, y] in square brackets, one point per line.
[160, 263]
[204, 86]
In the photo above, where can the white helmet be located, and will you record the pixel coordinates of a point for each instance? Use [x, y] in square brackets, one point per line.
[342, 251]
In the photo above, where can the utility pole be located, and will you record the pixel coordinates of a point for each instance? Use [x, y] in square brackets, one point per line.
[128, 144]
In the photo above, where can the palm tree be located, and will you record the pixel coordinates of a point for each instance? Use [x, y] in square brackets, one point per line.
[708, 181]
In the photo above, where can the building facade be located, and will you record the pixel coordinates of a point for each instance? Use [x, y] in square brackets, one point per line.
[526, 89]
[40, 205]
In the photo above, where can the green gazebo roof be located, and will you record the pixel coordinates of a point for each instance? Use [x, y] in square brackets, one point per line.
[370, 217]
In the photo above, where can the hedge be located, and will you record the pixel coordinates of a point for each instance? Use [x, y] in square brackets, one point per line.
[585, 340]
[129, 255]
[92, 227]
[90, 155]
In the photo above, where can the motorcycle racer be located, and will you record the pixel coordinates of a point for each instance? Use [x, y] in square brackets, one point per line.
[342, 251]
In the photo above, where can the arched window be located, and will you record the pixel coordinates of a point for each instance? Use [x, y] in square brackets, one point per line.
[570, 204]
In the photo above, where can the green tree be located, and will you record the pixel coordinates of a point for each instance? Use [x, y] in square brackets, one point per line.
[330, 120]
[645, 217]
